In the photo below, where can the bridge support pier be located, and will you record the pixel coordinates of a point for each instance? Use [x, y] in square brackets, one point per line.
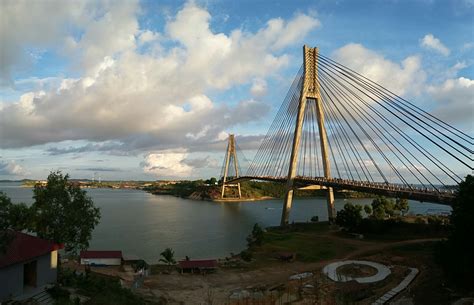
[310, 90]
[230, 155]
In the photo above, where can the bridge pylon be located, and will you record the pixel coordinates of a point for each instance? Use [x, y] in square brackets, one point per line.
[230, 160]
[310, 91]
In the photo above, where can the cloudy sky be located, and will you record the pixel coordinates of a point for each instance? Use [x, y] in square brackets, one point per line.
[150, 89]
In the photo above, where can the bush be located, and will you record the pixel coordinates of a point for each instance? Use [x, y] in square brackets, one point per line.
[246, 255]
[350, 217]
[315, 219]
[256, 237]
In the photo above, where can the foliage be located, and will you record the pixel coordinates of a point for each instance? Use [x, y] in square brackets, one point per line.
[101, 290]
[5, 237]
[350, 217]
[401, 205]
[367, 209]
[168, 256]
[64, 213]
[315, 219]
[140, 264]
[246, 255]
[456, 255]
[16, 217]
[383, 208]
[211, 181]
[20, 217]
[256, 237]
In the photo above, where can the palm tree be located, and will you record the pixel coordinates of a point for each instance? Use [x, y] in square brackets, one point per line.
[167, 257]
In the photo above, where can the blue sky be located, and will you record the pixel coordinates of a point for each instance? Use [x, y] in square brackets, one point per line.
[150, 89]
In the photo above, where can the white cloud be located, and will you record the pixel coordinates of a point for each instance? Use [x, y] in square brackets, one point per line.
[433, 43]
[406, 77]
[259, 87]
[455, 99]
[149, 98]
[11, 168]
[167, 164]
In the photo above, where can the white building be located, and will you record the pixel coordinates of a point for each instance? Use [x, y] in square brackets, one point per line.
[29, 264]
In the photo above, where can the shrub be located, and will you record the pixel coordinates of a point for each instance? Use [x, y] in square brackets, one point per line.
[246, 255]
[256, 237]
[350, 217]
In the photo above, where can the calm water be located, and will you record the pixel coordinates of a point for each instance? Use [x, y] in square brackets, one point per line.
[142, 224]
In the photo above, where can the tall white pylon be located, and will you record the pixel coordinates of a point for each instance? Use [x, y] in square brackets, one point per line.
[309, 91]
[230, 155]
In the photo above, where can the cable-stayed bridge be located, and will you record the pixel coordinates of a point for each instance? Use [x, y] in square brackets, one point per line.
[338, 129]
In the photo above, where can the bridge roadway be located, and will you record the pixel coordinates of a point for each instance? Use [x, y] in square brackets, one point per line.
[379, 188]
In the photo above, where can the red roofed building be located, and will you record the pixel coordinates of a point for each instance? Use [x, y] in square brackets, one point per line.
[29, 262]
[101, 258]
[200, 265]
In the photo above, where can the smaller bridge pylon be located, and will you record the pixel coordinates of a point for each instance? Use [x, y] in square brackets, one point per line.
[230, 168]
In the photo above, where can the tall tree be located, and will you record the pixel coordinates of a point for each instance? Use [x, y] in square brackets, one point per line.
[457, 253]
[167, 256]
[64, 213]
[5, 237]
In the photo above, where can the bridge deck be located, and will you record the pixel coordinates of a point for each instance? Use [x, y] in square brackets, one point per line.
[389, 190]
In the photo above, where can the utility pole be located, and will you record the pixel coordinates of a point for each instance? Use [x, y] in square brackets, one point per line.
[309, 93]
[231, 156]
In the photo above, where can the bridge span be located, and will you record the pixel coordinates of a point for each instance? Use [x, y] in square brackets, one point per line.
[445, 197]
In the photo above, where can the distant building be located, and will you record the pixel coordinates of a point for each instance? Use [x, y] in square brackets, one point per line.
[28, 264]
[101, 258]
[202, 265]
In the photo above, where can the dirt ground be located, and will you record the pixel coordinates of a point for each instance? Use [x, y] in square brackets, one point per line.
[266, 279]
[219, 287]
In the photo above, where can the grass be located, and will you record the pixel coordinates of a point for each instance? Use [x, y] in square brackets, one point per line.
[307, 240]
[101, 290]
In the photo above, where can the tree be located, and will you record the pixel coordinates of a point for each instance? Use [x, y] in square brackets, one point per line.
[401, 205]
[212, 181]
[167, 257]
[457, 253]
[256, 237]
[368, 209]
[13, 217]
[64, 213]
[350, 217]
[382, 208]
[5, 236]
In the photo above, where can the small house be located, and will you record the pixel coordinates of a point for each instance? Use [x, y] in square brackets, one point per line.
[101, 258]
[202, 265]
[28, 264]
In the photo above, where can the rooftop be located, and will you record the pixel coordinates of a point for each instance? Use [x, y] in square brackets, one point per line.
[203, 263]
[24, 247]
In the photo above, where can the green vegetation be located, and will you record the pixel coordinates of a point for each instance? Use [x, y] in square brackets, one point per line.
[167, 257]
[256, 237]
[456, 255]
[350, 217]
[61, 212]
[5, 238]
[385, 221]
[101, 290]
[309, 241]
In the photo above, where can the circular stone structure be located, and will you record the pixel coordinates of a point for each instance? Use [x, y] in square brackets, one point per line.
[331, 272]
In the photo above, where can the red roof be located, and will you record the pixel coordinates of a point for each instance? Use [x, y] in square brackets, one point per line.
[203, 263]
[24, 247]
[101, 254]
